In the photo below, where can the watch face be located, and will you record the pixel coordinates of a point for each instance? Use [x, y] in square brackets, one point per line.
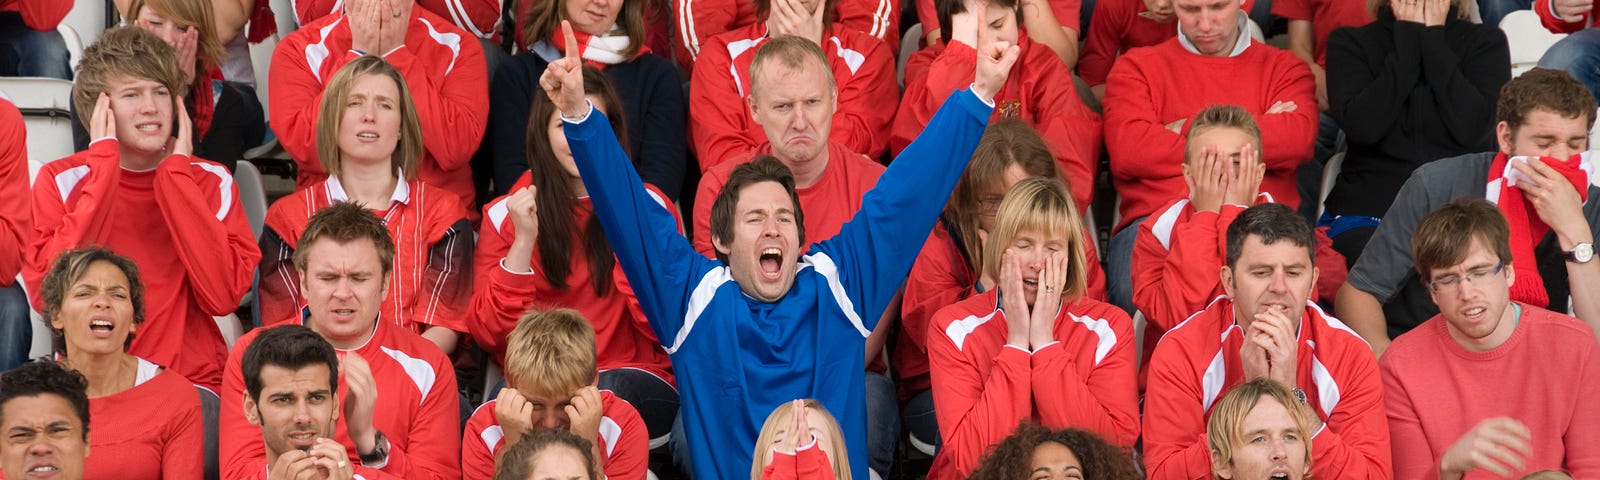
[1583, 253]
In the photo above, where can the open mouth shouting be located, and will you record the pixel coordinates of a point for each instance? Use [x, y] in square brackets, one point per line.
[771, 261]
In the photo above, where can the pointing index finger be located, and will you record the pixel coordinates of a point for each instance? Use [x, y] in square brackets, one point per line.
[985, 37]
[572, 42]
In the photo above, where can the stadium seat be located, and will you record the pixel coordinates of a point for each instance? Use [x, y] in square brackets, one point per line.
[230, 327]
[45, 105]
[88, 18]
[252, 196]
[909, 44]
[1527, 38]
[74, 45]
[1330, 173]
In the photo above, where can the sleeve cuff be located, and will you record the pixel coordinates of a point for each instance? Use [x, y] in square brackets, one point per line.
[974, 89]
[529, 273]
[582, 118]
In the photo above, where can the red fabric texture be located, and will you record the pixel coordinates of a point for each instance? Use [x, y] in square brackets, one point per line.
[423, 290]
[1198, 361]
[583, 38]
[1547, 17]
[1065, 11]
[1526, 226]
[827, 204]
[722, 130]
[941, 277]
[16, 219]
[181, 223]
[699, 20]
[808, 463]
[1039, 91]
[1116, 28]
[623, 338]
[477, 17]
[1557, 372]
[624, 441]
[41, 15]
[152, 430]
[1152, 87]
[445, 74]
[1325, 16]
[985, 388]
[418, 410]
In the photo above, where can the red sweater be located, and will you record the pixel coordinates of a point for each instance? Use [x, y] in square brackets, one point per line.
[1039, 90]
[722, 130]
[699, 20]
[624, 441]
[89, 199]
[985, 388]
[443, 67]
[16, 221]
[431, 283]
[941, 277]
[418, 410]
[1324, 15]
[623, 338]
[1151, 87]
[827, 204]
[1198, 361]
[1548, 18]
[41, 15]
[807, 463]
[1555, 377]
[481, 18]
[152, 430]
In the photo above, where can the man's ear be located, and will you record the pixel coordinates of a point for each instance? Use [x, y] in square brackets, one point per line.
[1502, 134]
[1226, 275]
[251, 413]
[1220, 468]
[722, 248]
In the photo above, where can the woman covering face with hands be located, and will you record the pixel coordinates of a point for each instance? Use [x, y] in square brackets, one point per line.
[1062, 360]
[801, 441]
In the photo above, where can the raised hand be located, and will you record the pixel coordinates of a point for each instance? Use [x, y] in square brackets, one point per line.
[583, 419]
[1244, 177]
[789, 17]
[799, 431]
[1573, 10]
[995, 58]
[361, 397]
[103, 122]
[366, 24]
[523, 208]
[1555, 200]
[186, 44]
[184, 143]
[1434, 12]
[1275, 334]
[331, 460]
[1013, 300]
[1500, 445]
[396, 19]
[514, 414]
[1047, 304]
[1407, 10]
[1207, 180]
[562, 81]
[294, 465]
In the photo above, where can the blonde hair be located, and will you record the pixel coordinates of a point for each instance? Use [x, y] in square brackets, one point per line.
[1039, 204]
[1221, 116]
[551, 352]
[124, 52]
[781, 417]
[1006, 142]
[407, 153]
[1225, 427]
[196, 14]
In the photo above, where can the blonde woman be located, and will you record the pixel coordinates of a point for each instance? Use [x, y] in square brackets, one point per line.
[800, 440]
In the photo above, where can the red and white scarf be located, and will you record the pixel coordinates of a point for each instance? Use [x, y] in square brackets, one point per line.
[600, 50]
[1526, 226]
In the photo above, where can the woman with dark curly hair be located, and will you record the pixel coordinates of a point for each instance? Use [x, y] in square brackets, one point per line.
[1036, 453]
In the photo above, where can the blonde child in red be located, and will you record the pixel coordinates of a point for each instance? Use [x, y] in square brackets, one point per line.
[550, 384]
[800, 441]
[1035, 348]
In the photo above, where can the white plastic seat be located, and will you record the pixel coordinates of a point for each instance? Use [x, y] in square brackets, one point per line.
[88, 18]
[909, 44]
[46, 112]
[1330, 174]
[1527, 38]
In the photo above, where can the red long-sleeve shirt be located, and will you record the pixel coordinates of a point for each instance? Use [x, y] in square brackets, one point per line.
[807, 463]
[623, 338]
[722, 130]
[699, 20]
[827, 204]
[181, 223]
[1039, 91]
[1177, 258]
[624, 441]
[481, 18]
[418, 410]
[1325, 16]
[984, 388]
[444, 70]
[41, 15]
[16, 217]
[941, 277]
[431, 282]
[1555, 24]
[1115, 28]
[1152, 87]
[1557, 372]
[152, 430]
[1198, 361]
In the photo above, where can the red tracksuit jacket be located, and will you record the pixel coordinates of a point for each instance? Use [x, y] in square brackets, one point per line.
[699, 20]
[1548, 18]
[1198, 361]
[984, 388]
[624, 441]
[443, 67]
[481, 18]
[16, 219]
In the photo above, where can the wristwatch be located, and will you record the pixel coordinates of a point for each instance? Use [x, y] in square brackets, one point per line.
[1580, 253]
[380, 451]
[1299, 395]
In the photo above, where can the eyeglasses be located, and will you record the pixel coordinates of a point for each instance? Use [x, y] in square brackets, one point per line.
[1452, 282]
[990, 203]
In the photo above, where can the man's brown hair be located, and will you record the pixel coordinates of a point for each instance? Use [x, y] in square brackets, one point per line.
[1005, 142]
[119, 54]
[1548, 89]
[1444, 237]
[407, 151]
[345, 222]
[765, 168]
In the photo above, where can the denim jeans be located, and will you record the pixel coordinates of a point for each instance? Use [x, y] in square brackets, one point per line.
[1493, 11]
[1579, 55]
[654, 398]
[1119, 266]
[921, 421]
[25, 52]
[16, 327]
[883, 423]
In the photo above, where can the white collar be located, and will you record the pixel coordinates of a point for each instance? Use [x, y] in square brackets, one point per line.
[1239, 45]
[402, 190]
